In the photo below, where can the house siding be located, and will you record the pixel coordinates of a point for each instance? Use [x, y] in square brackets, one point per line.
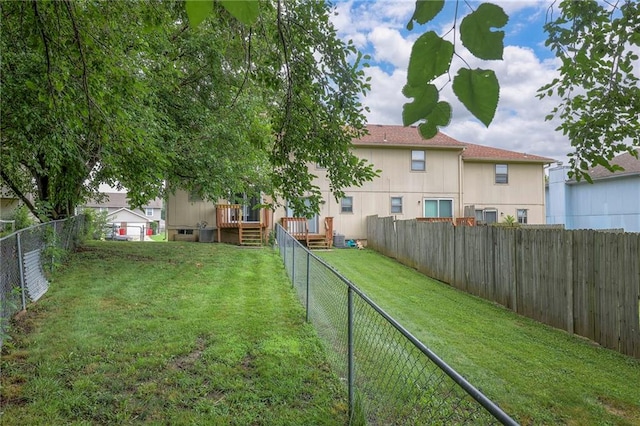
[611, 203]
[439, 180]
[525, 189]
[185, 214]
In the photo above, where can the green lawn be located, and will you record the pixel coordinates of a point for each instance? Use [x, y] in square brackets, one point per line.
[537, 374]
[177, 333]
[159, 237]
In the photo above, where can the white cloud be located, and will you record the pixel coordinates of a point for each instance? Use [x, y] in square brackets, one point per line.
[389, 46]
[386, 99]
[519, 123]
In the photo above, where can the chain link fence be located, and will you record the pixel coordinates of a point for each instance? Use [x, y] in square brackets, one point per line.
[24, 255]
[391, 377]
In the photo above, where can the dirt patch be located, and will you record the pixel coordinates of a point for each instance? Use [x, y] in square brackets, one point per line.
[620, 409]
[187, 361]
[84, 249]
[22, 323]
[12, 394]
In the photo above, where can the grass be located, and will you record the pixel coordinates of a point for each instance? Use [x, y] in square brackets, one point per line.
[159, 237]
[177, 333]
[537, 374]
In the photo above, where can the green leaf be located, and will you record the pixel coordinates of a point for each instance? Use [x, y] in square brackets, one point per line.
[198, 10]
[476, 34]
[430, 57]
[479, 91]
[425, 100]
[440, 116]
[245, 11]
[425, 11]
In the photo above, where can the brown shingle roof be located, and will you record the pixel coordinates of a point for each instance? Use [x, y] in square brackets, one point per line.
[119, 199]
[627, 161]
[487, 153]
[395, 135]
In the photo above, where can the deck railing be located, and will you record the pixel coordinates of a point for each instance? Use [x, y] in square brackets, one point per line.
[297, 227]
[228, 215]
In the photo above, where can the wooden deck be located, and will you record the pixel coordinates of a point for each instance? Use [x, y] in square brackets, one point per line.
[299, 229]
[250, 232]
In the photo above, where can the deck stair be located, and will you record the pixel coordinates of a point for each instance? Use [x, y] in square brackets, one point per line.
[299, 229]
[250, 236]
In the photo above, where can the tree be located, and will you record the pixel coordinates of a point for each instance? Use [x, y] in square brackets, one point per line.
[598, 84]
[130, 92]
[599, 91]
[76, 108]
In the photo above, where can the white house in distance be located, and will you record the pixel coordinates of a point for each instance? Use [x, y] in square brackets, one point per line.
[133, 222]
[612, 201]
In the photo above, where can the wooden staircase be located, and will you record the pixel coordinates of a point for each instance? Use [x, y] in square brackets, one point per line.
[250, 236]
[298, 228]
[320, 242]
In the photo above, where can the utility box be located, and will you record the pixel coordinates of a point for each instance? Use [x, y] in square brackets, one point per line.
[338, 241]
[206, 235]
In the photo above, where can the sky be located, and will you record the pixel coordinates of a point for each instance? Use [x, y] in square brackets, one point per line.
[378, 28]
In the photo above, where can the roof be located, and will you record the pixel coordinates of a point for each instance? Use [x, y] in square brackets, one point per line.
[119, 199]
[129, 212]
[628, 162]
[487, 153]
[396, 135]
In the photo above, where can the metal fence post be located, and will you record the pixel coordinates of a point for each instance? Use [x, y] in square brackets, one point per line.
[21, 267]
[308, 282]
[350, 357]
[293, 265]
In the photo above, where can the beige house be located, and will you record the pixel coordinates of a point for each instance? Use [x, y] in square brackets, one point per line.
[436, 178]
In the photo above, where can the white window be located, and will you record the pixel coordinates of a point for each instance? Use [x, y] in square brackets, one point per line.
[418, 161]
[104, 209]
[522, 215]
[502, 173]
[148, 211]
[396, 205]
[434, 207]
[346, 205]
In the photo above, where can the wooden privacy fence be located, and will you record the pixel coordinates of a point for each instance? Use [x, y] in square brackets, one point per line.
[585, 282]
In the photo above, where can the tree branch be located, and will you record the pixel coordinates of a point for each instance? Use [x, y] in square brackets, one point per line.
[85, 78]
[19, 193]
[45, 40]
[289, 95]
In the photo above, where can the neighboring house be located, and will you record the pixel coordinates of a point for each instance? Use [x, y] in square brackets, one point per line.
[612, 201]
[500, 183]
[114, 203]
[436, 178]
[8, 203]
[132, 224]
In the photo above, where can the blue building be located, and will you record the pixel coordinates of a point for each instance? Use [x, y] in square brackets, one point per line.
[612, 201]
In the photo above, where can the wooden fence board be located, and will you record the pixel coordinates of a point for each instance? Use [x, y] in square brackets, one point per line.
[503, 266]
[585, 282]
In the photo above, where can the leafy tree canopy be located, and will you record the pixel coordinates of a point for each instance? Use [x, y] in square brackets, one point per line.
[215, 97]
[597, 44]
